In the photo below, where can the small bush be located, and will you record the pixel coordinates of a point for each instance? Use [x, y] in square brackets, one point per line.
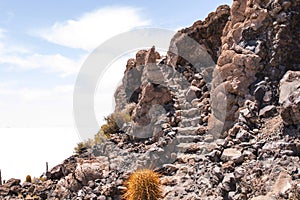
[115, 121]
[36, 180]
[100, 137]
[81, 147]
[43, 178]
[122, 117]
[111, 126]
[28, 179]
[143, 185]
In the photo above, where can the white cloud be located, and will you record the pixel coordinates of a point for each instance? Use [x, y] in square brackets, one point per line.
[93, 28]
[16, 57]
[32, 106]
[55, 63]
[86, 32]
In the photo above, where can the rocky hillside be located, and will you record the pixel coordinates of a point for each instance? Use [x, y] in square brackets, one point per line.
[218, 116]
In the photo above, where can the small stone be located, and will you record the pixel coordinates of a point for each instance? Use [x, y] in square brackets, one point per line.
[268, 111]
[228, 183]
[255, 130]
[171, 133]
[217, 171]
[192, 93]
[239, 172]
[282, 184]
[169, 181]
[121, 188]
[169, 169]
[231, 195]
[208, 138]
[214, 156]
[249, 155]
[286, 5]
[12, 182]
[232, 154]
[201, 130]
[243, 136]
[262, 198]
[101, 197]
[228, 166]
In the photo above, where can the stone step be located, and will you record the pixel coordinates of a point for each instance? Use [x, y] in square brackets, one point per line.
[181, 95]
[190, 113]
[187, 106]
[190, 121]
[180, 101]
[190, 147]
[188, 138]
[184, 158]
[184, 102]
[196, 147]
[182, 105]
[170, 82]
[186, 130]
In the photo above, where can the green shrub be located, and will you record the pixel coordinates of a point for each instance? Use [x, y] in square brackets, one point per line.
[81, 147]
[116, 121]
[113, 124]
[121, 117]
[100, 137]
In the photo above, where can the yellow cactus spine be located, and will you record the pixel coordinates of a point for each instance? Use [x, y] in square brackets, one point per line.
[143, 185]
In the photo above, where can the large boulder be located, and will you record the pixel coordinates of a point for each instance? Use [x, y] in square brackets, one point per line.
[140, 69]
[290, 109]
[261, 40]
[151, 96]
[88, 170]
[207, 33]
[11, 187]
[288, 84]
[152, 72]
[290, 98]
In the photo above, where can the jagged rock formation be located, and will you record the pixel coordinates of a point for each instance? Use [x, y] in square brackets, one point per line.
[260, 41]
[289, 97]
[211, 116]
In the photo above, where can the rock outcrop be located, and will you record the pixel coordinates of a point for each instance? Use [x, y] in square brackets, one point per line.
[290, 98]
[218, 117]
[260, 41]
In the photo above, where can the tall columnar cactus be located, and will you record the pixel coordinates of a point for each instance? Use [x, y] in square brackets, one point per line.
[143, 185]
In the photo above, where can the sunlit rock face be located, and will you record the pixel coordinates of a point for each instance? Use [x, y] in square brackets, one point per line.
[261, 41]
[217, 117]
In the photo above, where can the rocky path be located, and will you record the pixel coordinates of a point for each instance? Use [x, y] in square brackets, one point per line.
[193, 141]
[258, 155]
[191, 109]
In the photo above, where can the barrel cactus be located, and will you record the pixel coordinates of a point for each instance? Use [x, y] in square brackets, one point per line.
[143, 185]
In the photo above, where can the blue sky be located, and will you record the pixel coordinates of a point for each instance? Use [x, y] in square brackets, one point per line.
[44, 43]
[42, 47]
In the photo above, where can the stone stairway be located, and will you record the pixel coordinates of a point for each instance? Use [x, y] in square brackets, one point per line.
[187, 135]
[188, 138]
